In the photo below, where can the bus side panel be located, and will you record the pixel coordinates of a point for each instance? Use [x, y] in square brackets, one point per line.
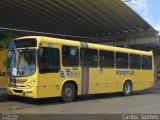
[148, 76]
[93, 79]
[137, 80]
[132, 75]
[49, 85]
[3, 64]
[108, 81]
[89, 81]
[141, 79]
[147, 79]
[70, 74]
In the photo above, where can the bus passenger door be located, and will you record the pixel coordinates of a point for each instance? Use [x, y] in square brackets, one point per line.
[89, 71]
[49, 67]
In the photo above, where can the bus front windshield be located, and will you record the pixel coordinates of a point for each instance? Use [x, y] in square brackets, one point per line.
[21, 62]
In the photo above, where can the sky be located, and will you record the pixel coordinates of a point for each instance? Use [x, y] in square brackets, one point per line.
[149, 10]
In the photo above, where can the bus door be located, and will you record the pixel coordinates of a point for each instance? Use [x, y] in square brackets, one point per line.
[49, 67]
[89, 71]
[107, 81]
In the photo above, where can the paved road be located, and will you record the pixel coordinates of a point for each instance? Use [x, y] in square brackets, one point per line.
[147, 101]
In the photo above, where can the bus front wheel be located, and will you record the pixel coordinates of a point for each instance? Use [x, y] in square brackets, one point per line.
[68, 92]
[127, 88]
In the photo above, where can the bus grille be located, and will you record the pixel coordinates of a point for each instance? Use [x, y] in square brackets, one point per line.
[18, 91]
[21, 81]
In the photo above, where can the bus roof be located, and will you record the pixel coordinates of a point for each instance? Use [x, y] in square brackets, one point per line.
[91, 45]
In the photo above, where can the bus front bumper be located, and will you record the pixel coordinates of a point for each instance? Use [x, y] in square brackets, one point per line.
[31, 93]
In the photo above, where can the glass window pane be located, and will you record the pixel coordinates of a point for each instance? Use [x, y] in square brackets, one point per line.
[89, 57]
[146, 62]
[107, 59]
[121, 60]
[49, 60]
[135, 61]
[70, 56]
[23, 43]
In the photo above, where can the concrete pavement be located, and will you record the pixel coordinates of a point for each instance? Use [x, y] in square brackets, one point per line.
[140, 102]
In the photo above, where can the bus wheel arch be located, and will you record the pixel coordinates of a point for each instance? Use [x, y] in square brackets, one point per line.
[69, 90]
[127, 87]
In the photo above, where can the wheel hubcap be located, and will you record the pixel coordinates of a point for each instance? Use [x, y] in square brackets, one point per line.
[68, 92]
[127, 88]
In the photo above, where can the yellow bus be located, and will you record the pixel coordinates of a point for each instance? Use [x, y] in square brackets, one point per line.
[3, 66]
[40, 67]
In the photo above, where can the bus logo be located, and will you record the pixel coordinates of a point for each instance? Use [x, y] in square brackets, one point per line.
[124, 72]
[68, 73]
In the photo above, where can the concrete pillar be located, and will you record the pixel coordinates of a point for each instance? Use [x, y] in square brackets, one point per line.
[157, 66]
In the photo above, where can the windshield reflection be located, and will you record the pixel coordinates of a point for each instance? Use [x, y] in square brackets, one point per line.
[21, 62]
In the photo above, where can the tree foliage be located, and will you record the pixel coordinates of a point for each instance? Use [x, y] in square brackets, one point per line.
[5, 38]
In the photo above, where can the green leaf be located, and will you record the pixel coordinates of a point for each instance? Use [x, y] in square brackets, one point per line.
[5, 38]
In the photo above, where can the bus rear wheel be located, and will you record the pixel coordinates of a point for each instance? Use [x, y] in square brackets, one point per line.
[68, 92]
[127, 88]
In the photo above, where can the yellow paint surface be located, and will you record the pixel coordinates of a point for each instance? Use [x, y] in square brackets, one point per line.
[3, 63]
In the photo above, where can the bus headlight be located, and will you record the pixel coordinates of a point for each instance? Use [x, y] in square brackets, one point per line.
[30, 84]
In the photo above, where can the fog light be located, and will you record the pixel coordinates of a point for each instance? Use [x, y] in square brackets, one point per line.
[29, 93]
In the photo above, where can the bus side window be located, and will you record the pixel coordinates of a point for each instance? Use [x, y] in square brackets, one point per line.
[146, 62]
[70, 56]
[48, 60]
[121, 60]
[89, 57]
[135, 61]
[106, 59]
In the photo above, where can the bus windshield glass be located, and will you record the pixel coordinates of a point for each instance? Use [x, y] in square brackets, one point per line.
[21, 62]
[30, 42]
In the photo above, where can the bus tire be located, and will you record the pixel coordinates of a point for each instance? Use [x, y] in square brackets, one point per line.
[68, 92]
[127, 88]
